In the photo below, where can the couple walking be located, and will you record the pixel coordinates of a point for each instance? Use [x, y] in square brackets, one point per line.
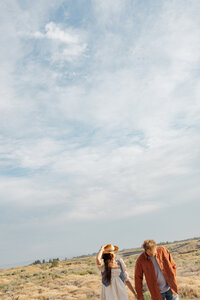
[155, 263]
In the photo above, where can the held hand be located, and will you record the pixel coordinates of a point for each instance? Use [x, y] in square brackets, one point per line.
[135, 295]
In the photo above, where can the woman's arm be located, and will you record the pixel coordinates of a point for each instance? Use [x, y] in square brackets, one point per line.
[127, 279]
[131, 288]
[99, 255]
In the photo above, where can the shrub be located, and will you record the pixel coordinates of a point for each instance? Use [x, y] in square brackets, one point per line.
[90, 272]
[147, 296]
[87, 272]
[54, 263]
[83, 273]
[89, 296]
[36, 262]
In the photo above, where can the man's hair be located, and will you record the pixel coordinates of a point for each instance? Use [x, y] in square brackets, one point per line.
[149, 244]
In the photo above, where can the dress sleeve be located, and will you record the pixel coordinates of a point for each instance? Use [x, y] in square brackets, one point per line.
[126, 276]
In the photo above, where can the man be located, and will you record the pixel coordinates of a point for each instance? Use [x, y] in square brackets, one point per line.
[159, 269]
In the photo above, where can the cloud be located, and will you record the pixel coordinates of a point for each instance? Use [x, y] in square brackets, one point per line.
[71, 38]
[30, 192]
[55, 33]
[109, 12]
[117, 213]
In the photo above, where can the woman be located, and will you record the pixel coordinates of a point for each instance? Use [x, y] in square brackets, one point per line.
[114, 274]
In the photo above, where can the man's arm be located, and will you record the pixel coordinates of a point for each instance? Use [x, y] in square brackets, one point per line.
[139, 280]
[173, 264]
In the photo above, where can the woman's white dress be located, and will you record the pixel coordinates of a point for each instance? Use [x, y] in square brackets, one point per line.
[117, 288]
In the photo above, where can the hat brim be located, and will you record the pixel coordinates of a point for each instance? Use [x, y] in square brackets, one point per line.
[111, 251]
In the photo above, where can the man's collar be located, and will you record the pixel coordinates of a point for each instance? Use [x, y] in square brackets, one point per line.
[149, 257]
[146, 255]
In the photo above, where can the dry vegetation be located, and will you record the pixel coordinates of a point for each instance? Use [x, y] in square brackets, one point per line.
[79, 278]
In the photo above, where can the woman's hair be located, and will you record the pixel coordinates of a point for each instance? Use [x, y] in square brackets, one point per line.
[149, 244]
[107, 274]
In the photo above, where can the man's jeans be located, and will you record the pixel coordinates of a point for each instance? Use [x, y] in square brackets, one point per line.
[169, 295]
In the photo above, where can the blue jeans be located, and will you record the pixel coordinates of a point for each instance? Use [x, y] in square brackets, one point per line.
[169, 295]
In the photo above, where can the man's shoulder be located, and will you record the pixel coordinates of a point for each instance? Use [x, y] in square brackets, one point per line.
[141, 257]
[161, 249]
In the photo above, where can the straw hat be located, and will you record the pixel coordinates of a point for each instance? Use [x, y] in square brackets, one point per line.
[110, 249]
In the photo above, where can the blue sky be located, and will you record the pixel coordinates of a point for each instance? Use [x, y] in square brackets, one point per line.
[99, 127]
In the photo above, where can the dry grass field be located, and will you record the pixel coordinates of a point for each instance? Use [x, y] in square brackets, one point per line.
[80, 279]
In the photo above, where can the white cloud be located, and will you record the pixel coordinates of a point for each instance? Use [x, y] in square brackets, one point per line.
[109, 11]
[55, 33]
[71, 38]
[92, 213]
[30, 193]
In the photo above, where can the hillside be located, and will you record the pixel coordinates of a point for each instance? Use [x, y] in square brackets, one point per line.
[79, 278]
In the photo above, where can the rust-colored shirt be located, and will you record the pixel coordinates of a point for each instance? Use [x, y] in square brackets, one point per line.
[145, 266]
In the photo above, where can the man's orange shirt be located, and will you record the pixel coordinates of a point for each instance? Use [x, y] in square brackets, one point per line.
[145, 266]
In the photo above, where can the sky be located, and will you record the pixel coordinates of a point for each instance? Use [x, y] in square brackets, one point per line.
[99, 127]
